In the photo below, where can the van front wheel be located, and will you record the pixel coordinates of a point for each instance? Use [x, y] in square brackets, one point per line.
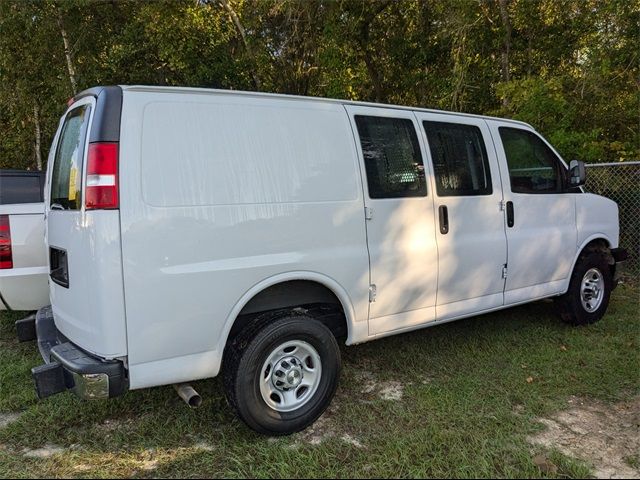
[589, 290]
[281, 373]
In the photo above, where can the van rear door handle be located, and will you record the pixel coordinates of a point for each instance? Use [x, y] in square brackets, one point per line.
[443, 214]
[510, 217]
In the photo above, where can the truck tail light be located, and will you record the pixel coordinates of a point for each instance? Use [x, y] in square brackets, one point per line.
[6, 255]
[101, 191]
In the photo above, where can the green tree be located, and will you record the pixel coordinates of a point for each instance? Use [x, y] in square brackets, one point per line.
[569, 67]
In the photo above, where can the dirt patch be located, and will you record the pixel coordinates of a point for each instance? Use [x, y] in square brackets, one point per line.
[391, 391]
[369, 383]
[43, 452]
[149, 460]
[351, 440]
[7, 418]
[604, 436]
[112, 424]
[323, 429]
[204, 446]
[385, 390]
[149, 465]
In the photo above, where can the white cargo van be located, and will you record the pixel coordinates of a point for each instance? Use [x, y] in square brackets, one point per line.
[194, 232]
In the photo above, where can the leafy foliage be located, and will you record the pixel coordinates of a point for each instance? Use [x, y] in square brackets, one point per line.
[568, 67]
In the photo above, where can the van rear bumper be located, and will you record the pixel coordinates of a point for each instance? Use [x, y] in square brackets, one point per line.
[68, 367]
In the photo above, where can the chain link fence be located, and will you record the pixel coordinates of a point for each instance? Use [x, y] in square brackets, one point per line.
[621, 182]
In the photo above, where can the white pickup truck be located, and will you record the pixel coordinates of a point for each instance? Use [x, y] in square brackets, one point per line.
[23, 261]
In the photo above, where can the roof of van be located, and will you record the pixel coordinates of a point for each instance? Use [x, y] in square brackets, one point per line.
[201, 91]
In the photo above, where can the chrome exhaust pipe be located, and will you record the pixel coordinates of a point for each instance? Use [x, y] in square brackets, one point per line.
[188, 394]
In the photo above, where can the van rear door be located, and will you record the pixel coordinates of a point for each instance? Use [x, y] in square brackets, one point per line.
[86, 287]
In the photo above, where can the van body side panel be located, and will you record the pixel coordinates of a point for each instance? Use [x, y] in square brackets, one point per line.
[219, 193]
[597, 217]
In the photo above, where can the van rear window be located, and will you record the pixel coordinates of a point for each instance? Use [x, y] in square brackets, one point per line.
[66, 181]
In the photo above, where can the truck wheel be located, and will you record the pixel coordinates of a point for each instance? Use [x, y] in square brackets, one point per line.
[281, 373]
[589, 290]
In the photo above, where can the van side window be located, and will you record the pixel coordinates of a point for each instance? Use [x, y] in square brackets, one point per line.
[533, 167]
[392, 157]
[66, 180]
[459, 157]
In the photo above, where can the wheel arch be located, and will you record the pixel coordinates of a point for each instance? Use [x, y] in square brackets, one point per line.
[595, 240]
[297, 276]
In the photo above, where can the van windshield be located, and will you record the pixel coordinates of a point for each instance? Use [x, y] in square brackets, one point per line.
[66, 181]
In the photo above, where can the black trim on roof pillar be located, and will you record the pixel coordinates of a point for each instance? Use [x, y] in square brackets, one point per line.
[106, 119]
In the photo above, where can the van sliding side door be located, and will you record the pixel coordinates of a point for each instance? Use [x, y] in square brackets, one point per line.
[471, 240]
[399, 218]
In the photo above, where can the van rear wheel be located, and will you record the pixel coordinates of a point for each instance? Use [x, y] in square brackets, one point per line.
[589, 290]
[281, 373]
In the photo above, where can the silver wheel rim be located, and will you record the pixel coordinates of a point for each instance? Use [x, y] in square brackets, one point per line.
[592, 290]
[290, 376]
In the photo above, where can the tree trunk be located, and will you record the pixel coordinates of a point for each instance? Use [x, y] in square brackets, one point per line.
[373, 74]
[506, 23]
[529, 56]
[36, 121]
[67, 54]
[363, 42]
[243, 36]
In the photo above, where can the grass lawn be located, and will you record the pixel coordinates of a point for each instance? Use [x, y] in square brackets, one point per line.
[456, 400]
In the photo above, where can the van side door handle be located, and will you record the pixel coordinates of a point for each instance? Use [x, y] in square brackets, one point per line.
[443, 215]
[510, 217]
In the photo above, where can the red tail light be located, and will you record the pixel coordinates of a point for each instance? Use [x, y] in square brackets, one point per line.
[101, 191]
[6, 255]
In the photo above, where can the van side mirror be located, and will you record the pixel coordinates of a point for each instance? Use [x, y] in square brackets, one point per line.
[577, 173]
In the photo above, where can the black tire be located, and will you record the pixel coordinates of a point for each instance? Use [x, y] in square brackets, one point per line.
[570, 305]
[248, 352]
